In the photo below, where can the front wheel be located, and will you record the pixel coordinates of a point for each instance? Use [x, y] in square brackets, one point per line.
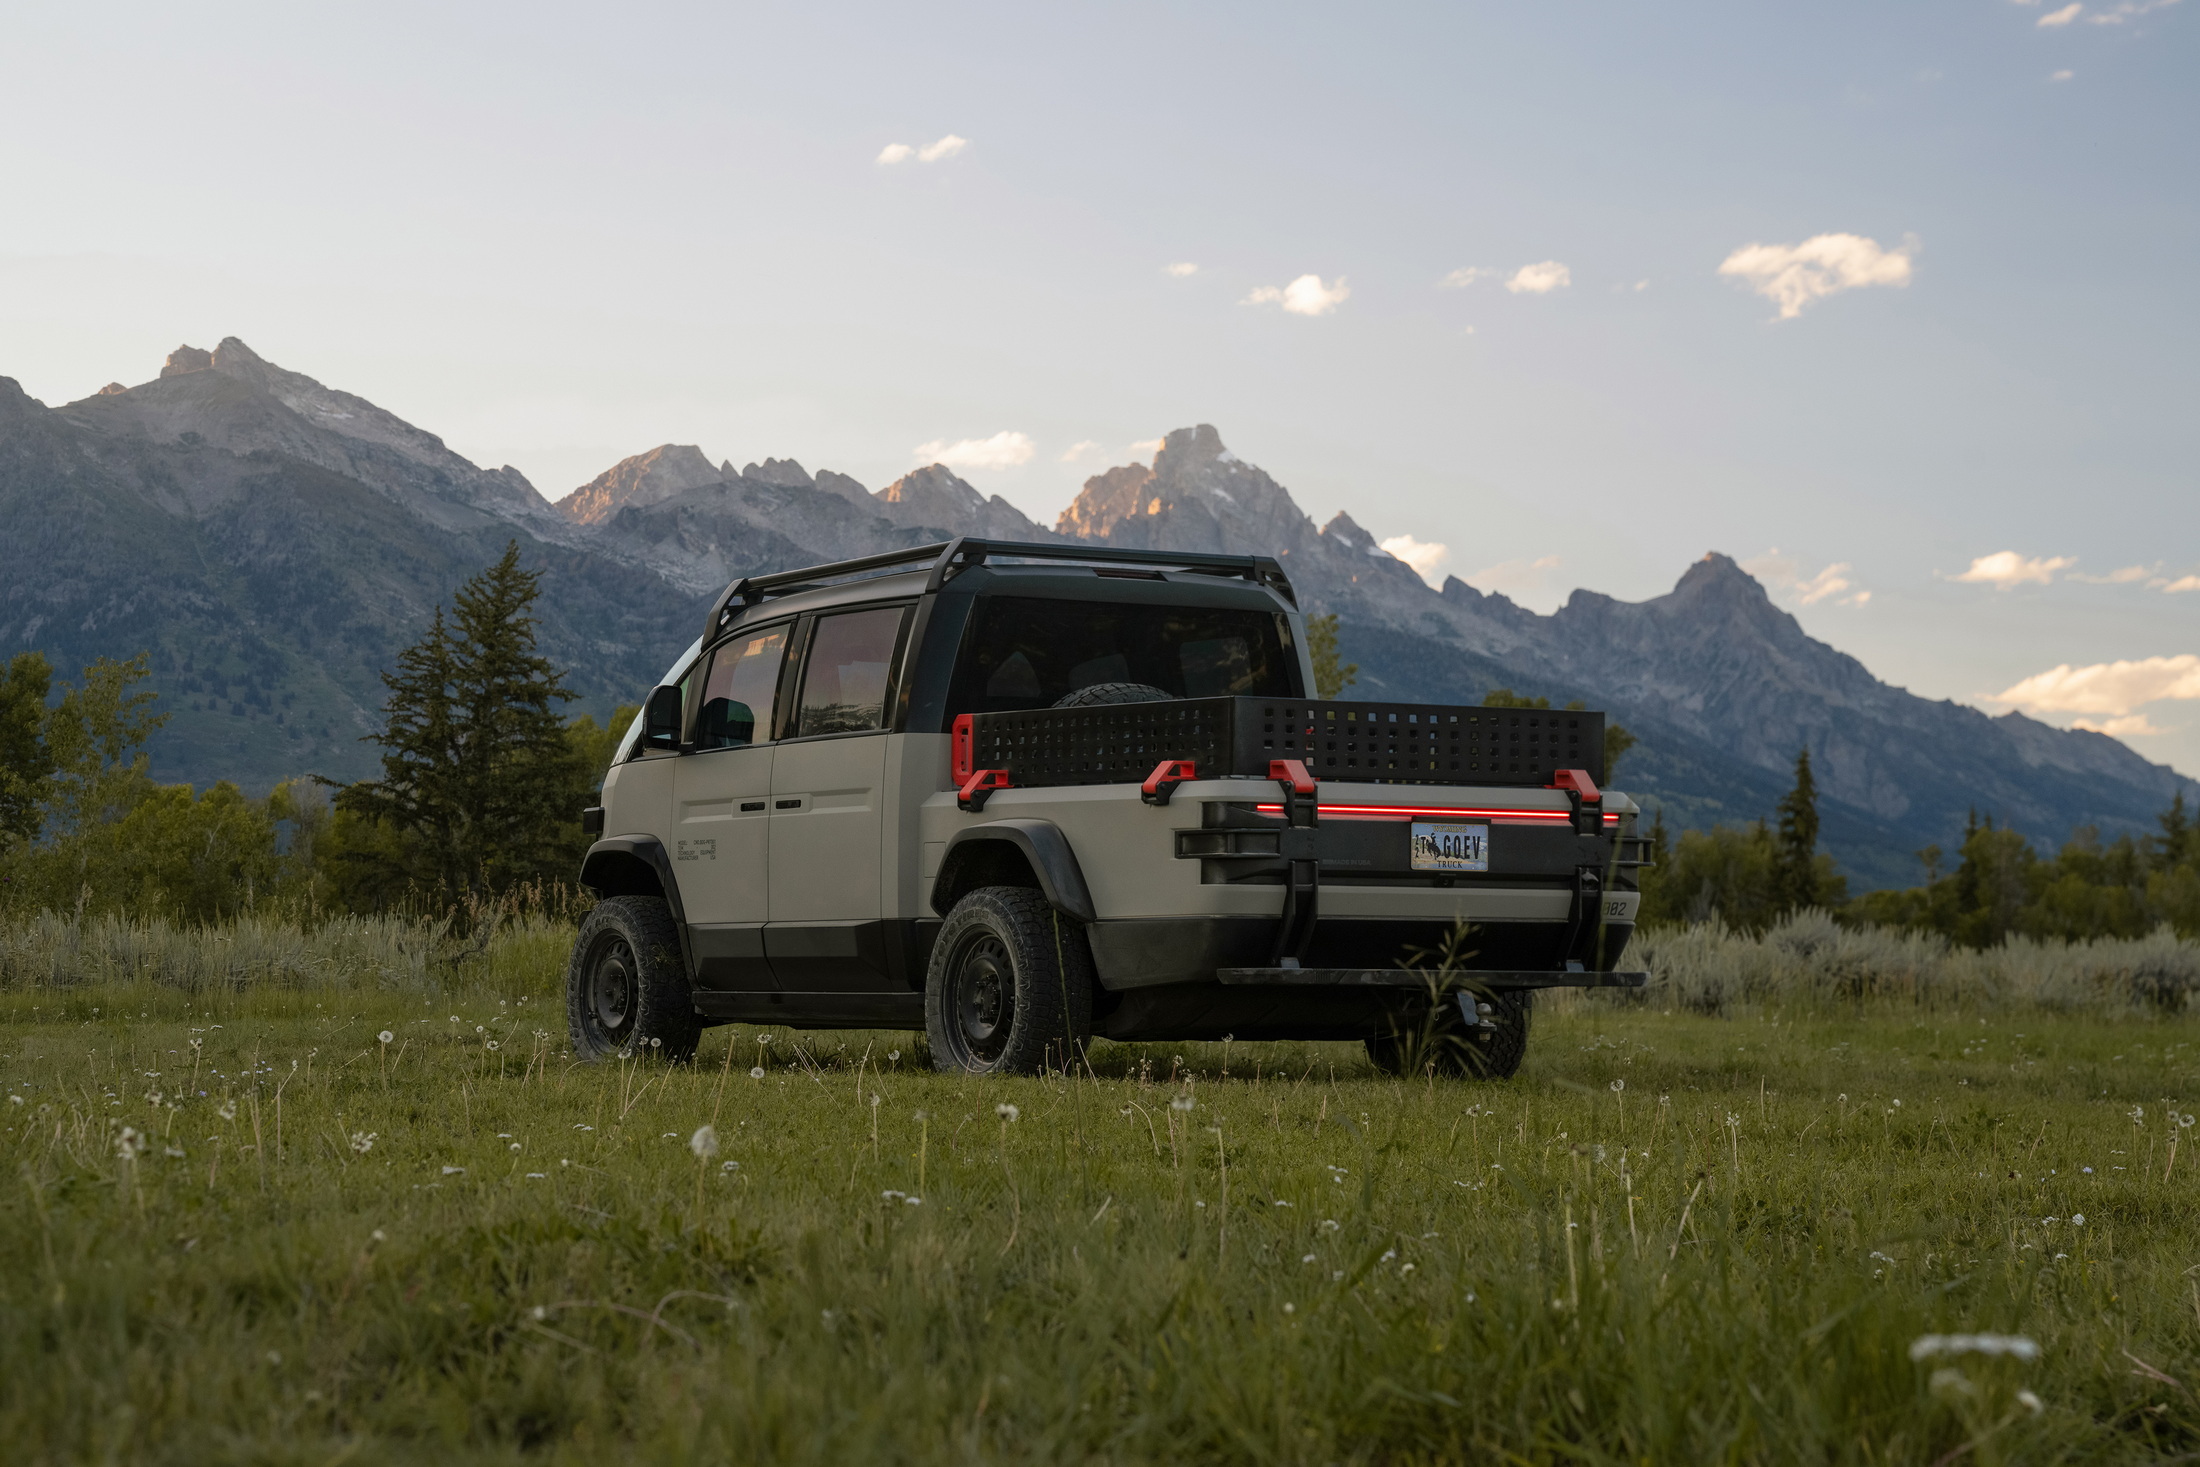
[1438, 1035]
[626, 988]
[1009, 988]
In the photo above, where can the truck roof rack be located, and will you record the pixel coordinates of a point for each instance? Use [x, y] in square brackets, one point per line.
[950, 558]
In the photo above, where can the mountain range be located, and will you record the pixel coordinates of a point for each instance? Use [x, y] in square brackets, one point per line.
[273, 543]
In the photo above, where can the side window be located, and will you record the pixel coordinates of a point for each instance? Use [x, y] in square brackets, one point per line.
[844, 681]
[740, 690]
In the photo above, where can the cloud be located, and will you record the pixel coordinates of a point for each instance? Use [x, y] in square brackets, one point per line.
[1305, 296]
[2122, 577]
[2006, 568]
[2130, 726]
[1463, 277]
[1077, 451]
[1002, 451]
[2063, 16]
[1793, 276]
[1425, 557]
[1180, 269]
[2057, 76]
[1514, 577]
[946, 147]
[2128, 10]
[1539, 279]
[1785, 575]
[2181, 585]
[1144, 447]
[2116, 689]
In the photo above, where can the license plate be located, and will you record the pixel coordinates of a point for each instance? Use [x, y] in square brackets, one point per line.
[1441, 846]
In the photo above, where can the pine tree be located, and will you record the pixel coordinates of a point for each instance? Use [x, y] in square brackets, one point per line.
[25, 761]
[1796, 869]
[479, 779]
[1331, 676]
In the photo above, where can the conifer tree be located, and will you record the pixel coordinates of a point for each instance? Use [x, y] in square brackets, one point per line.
[479, 779]
[24, 759]
[1796, 869]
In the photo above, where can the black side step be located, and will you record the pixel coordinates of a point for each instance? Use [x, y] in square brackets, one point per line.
[1417, 978]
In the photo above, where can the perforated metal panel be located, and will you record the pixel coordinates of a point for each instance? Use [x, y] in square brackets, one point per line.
[1384, 743]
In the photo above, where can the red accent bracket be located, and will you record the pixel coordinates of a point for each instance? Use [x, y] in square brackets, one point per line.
[977, 789]
[1582, 794]
[1166, 776]
[965, 748]
[1578, 781]
[1292, 775]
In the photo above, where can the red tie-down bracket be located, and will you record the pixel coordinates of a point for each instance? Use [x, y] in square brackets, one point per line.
[1302, 863]
[1585, 798]
[973, 786]
[1166, 776]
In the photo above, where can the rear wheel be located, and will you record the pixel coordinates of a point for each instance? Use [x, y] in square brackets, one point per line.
[1009, 988]
[1439, 1035]
[626, 988]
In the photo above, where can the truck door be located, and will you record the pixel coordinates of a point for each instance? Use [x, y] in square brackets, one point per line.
[722, 790]
[827, 815]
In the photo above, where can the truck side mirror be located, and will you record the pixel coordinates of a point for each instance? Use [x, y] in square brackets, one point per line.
[661, 718]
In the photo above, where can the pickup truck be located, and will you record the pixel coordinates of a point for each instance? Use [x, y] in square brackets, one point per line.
[1025, 795]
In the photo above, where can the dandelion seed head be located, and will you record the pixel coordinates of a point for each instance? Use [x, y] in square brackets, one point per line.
[1309, 1258]
[1182, 1102]
[2030, 1402]
[704, 1143]
[2016, 1347]
[1290, 1308]
[539, 1312]
[892, 1055]
[1329, 1225]
[1006, 1111]
[385, 1036]
[2077, 1219]
[731, 1166]
[515, 1146]
[1618, 1085]
[756, 1072]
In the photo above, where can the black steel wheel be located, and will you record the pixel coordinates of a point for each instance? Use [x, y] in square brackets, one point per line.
[1009, 987]
[626, 988]
[1101, 695]
[1437, 1034]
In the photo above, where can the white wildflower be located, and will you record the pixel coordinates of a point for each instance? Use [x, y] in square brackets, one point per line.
[1182, 1102]
[130, 1145]
[363, 1141]
[2017, 1347]
[1006, 1111]
[227, 1110]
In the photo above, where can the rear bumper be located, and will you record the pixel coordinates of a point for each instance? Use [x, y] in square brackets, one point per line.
[1158, 952]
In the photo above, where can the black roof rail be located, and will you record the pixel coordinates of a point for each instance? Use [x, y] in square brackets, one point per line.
[961, 554]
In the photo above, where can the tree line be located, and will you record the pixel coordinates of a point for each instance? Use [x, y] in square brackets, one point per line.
[482, 784]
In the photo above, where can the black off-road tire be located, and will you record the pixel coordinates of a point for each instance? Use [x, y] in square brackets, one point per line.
[626, 988]
[1100, 695]
[1490, 1050]
[997, 999]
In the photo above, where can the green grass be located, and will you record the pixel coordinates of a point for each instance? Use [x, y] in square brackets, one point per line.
[1673, 1239]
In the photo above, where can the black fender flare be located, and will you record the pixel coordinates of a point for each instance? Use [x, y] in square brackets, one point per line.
[601, 874]
[1044, 848]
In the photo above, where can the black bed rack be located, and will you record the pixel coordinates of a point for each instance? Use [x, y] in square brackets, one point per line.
[950, 558]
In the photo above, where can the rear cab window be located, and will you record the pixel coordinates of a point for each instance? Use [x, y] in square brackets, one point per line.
[1031, 652]
[740, 692]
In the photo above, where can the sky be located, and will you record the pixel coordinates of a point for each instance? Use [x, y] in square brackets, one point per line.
[1893, 302]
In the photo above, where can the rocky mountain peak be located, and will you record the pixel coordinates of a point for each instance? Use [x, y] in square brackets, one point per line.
[1346, 532]
[187, 359]
[933, 491]
[784, 472]
[111, 389]
[1108, 498]
[644, 479]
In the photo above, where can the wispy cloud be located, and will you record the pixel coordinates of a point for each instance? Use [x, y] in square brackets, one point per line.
[1464, 276]
[2124, 577]
[2130, 726]
[933, 152]
[1786, 576]
[2005, 568]
[2061, 76]
[1426, 557]
[2128, 10]
[1539, 279]
[2060, 17]
[1305, 296]
[1794, 275]
[1144, 447]
[1181, 269]
[2181, 585]
[1522, 577]
[1005, 450]
[1077, 451]
[2116, 689]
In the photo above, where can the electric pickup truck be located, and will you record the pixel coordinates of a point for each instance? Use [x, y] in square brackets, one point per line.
[1026, 795]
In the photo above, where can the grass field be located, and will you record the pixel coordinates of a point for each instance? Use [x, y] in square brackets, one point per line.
[240, 1226]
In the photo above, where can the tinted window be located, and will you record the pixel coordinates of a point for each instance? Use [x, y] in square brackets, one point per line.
[1030, 653]
[740, 690]
[844, 684]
